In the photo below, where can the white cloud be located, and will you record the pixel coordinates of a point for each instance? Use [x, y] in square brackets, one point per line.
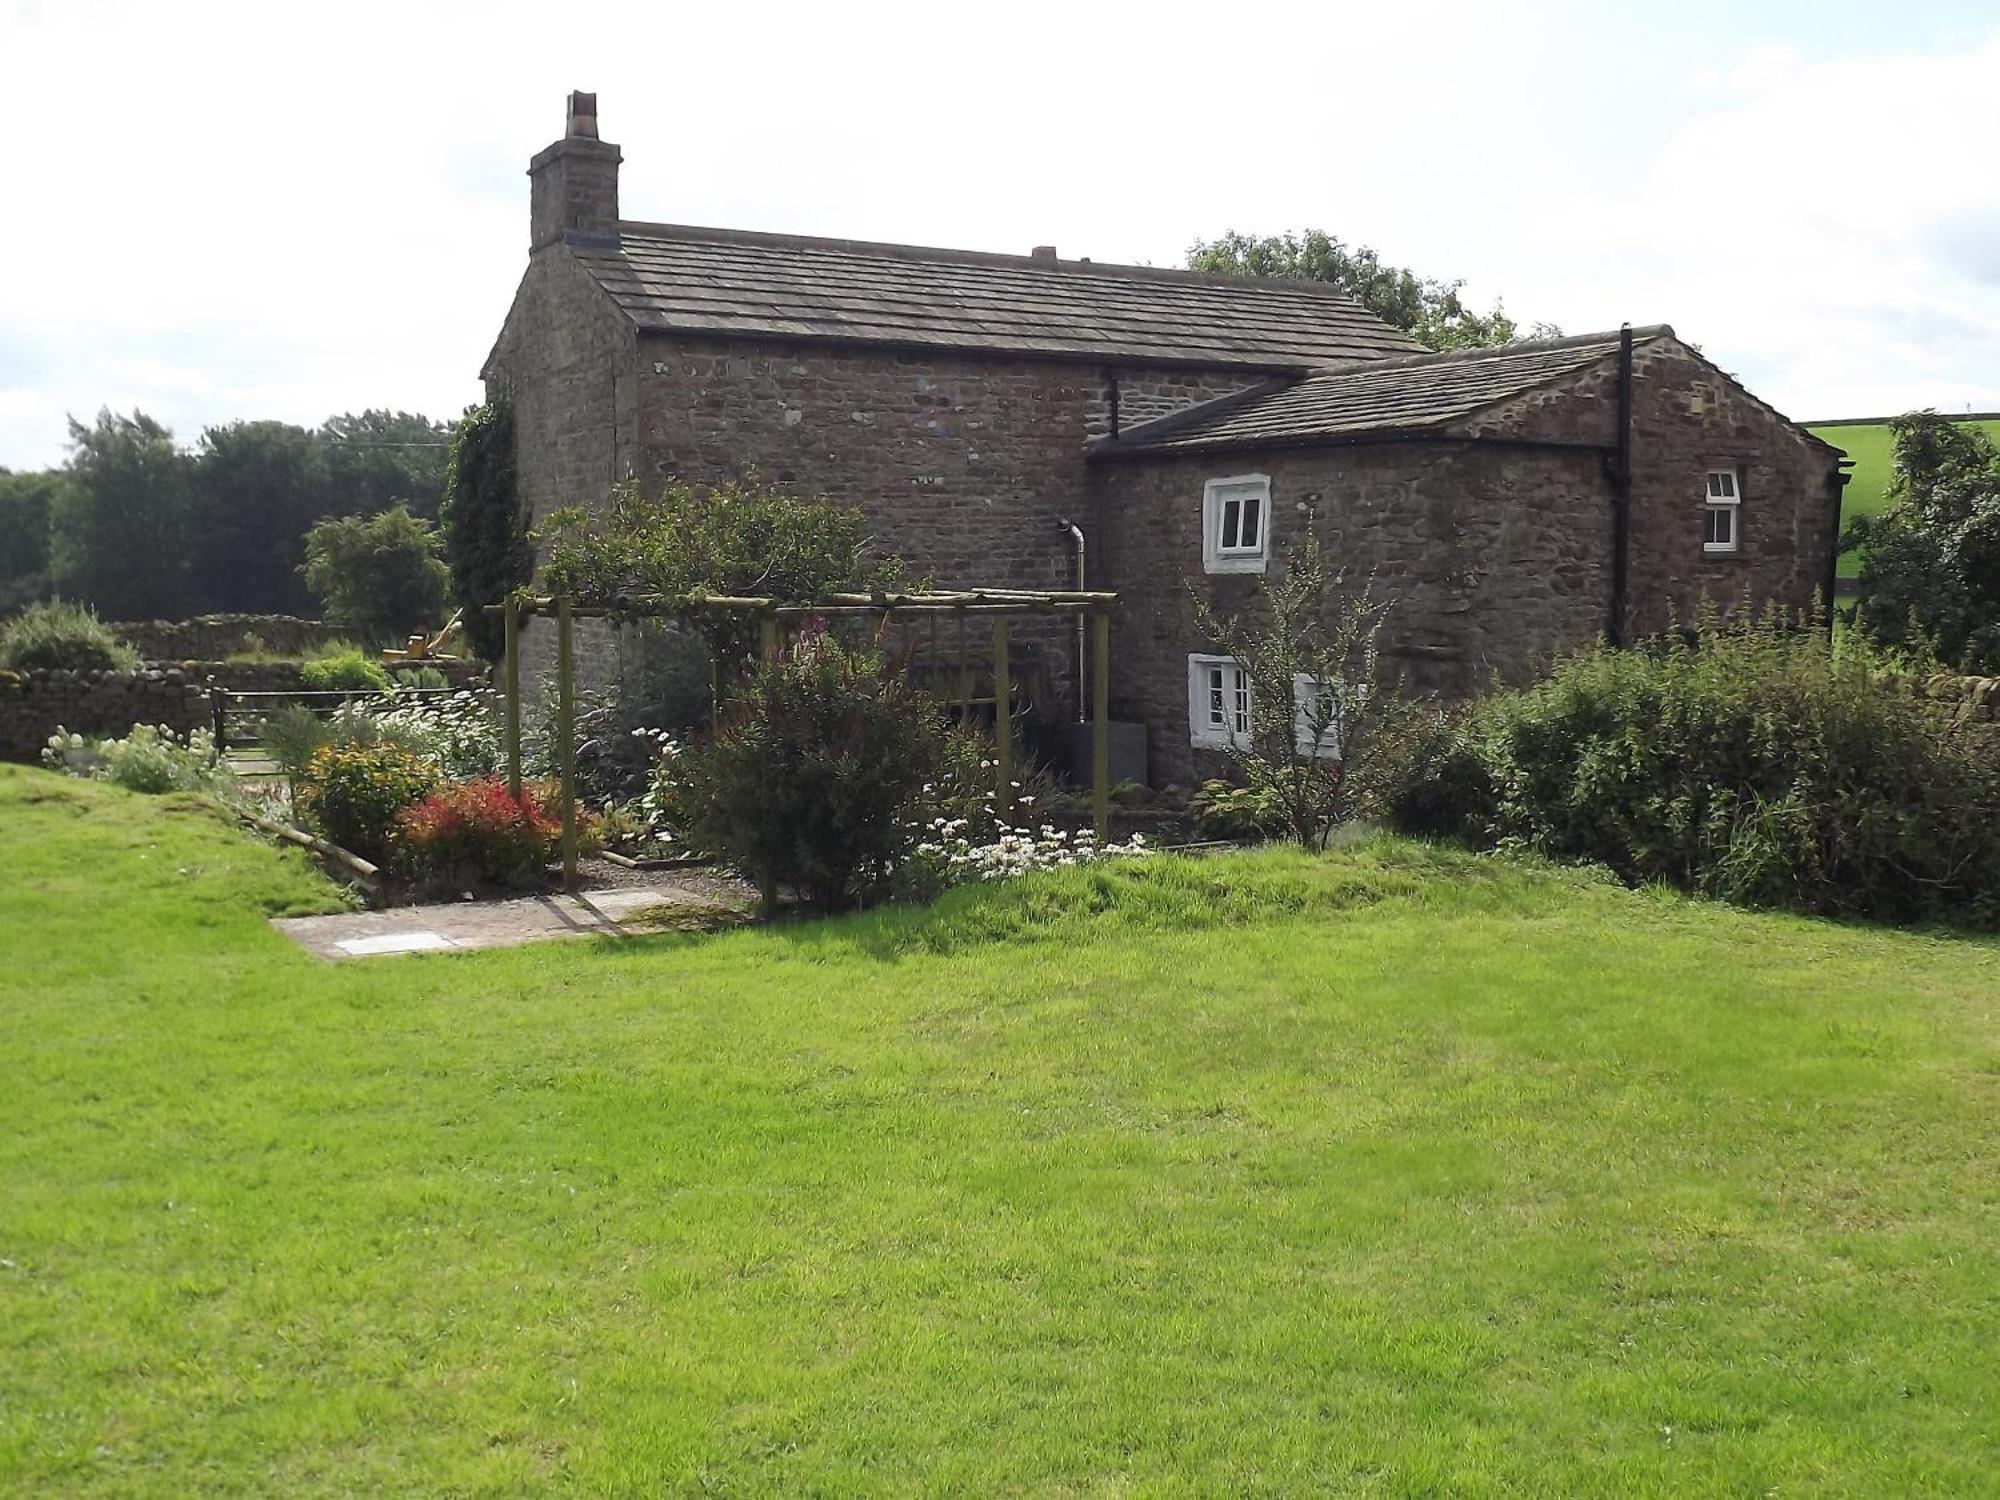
[267, 210]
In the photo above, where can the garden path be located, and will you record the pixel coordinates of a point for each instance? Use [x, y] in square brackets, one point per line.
[654, 902]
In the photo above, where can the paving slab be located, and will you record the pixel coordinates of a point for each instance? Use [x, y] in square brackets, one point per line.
[669, 902]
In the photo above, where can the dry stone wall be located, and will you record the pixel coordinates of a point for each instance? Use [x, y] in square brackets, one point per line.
[34, 704]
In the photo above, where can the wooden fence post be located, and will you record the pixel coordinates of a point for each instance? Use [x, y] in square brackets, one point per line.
[1003, 719]
[566, 735]
[1100, 726]
[513, 669]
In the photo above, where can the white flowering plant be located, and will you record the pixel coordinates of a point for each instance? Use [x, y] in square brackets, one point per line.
[460, 734]
[151, 759]
[950, 855]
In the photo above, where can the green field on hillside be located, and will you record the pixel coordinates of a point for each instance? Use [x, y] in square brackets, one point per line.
[1394, 1172]
[1867, 491]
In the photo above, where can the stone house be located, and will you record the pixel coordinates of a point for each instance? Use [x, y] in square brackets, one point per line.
[1513, 502]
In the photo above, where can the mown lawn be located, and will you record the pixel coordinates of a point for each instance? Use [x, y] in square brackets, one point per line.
[1867, 491]
[1396, 1172]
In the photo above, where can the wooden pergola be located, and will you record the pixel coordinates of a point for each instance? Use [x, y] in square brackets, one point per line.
[772, 615]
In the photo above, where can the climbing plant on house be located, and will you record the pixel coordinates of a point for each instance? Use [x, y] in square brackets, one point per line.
[486, 540]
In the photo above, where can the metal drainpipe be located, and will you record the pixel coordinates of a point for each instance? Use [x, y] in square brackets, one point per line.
[1082, 681]
[1621, 492]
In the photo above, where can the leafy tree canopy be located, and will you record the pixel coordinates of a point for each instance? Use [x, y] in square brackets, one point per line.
[379, 576]
[1431, 311]
[380, 457]
[1930, 564]
[257, 488]
[118, 529]
[740, 538]
[26, 501]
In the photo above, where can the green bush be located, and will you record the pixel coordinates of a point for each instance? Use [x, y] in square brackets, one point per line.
[1748, 764]
[348, 670]
[1426, 777]
[351, 794]
[815, 773]
[151, 759]
[1225, 811]
[63, 635]
[379, 576]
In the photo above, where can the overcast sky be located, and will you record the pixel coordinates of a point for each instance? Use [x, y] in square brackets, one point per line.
[279, 210]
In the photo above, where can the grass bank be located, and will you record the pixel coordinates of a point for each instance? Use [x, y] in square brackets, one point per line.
[1396, 1172]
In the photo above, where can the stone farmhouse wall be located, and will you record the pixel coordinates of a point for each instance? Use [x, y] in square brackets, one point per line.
[33, 704]
[962, 463]
[1495, 558]
[1687, 418]
[1496, 551]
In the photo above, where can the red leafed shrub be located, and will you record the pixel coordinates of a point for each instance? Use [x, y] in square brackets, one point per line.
[478, 830]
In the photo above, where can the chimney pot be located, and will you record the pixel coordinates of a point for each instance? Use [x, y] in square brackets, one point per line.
[1043, 252]
[582, 116]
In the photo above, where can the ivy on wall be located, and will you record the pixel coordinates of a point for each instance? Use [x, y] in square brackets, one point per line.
[485, 534]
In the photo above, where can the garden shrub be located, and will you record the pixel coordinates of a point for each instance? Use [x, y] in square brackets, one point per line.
[1748, 763]
[151, 759]
[344, 671]
[478, 830]
[60, 634]
[351, 794]
[1426, 777]
[460, 734]
[815, 771]
[1223, 810]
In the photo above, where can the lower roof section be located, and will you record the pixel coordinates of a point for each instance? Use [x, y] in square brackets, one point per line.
[1413, 394]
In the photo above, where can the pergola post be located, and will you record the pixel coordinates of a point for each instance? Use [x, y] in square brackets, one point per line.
[768, 639]
[1003, 719]
[1100, 726]
[566, 735]
[513, 671]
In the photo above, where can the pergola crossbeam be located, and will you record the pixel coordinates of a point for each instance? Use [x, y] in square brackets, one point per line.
[1000, 604]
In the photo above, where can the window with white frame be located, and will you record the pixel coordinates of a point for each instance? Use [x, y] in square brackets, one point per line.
[1236, 523]
[1725, 501]
[1218, 702]
[1316, 732]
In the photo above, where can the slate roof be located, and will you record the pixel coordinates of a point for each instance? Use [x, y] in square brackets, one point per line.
[1412, 394]
[678, 279]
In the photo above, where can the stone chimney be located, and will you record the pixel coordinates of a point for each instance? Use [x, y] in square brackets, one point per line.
[574, 183]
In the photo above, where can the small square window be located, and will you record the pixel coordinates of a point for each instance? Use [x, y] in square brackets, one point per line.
[1236, 524]
[1218, 702]
[1722, 503]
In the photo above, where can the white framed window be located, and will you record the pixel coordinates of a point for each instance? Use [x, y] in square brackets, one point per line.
[1723, 504]
[1310, 735]
[1218, 702]
[1236, 523]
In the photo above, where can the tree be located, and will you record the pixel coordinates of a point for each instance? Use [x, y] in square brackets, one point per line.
[1310, 656]
[1430, 311]
[377, 458]
[26, 502]
[1930, 564]
[118, 528]
[379, 576]
[256, 488]
[485, 533]
[742, 538]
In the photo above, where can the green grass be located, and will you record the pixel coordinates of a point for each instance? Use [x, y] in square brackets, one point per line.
[1396, 1172]
[1867, 492]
